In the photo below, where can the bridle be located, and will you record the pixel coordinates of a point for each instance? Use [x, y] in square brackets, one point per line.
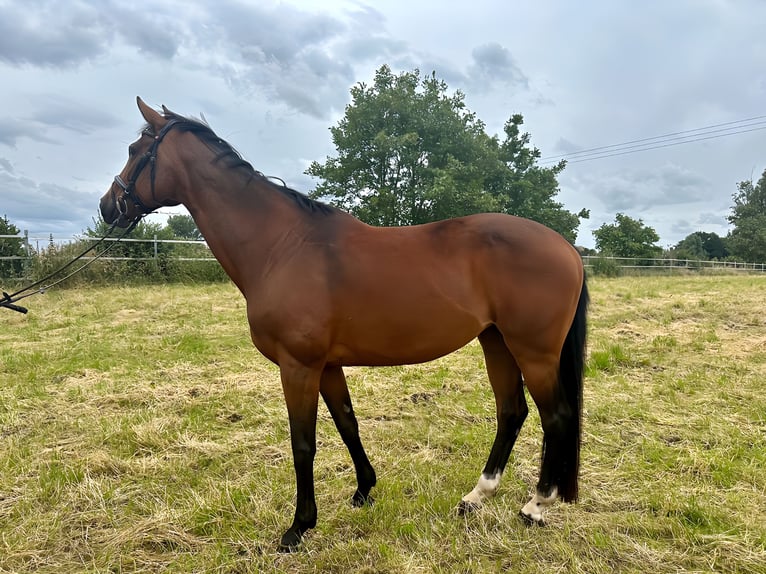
[129, 188]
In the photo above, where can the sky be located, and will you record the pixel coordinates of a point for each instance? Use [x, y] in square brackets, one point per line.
[271, 78]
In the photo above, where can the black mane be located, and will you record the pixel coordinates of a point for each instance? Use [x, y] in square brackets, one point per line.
[226, 153]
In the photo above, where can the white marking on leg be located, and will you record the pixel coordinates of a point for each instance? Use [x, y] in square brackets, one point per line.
[535, 507]
[485, 488]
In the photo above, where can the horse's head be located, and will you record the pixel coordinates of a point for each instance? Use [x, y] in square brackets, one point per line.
[142, 186]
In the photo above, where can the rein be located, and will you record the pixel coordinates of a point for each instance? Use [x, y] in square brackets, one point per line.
[9, 300]
[128, 192]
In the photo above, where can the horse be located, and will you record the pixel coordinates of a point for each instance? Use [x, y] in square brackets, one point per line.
[324, 290]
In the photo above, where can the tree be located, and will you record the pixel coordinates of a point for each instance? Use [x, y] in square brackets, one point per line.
[714, 245]
[690, 247]
[701, 245]
[525, 189]
[183, 227]
[627, 237]
[409, 153]
[747, 241]
[10, 247]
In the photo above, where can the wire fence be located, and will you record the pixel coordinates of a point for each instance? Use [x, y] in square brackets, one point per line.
[43, 243]
[661, 264]
[25, 258]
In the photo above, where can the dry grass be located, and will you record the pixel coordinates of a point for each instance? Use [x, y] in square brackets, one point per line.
[140, 432]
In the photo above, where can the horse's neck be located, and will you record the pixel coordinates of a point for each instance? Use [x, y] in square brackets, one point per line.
[242, 224]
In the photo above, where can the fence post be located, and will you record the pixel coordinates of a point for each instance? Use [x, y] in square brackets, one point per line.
[27, 264]
[155, 246]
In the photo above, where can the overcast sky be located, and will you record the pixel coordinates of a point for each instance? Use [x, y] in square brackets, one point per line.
[272, 77]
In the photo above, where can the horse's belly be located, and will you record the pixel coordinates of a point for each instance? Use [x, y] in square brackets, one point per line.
[403, 340]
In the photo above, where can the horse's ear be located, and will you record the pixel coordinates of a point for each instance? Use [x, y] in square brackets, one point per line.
[152, 117]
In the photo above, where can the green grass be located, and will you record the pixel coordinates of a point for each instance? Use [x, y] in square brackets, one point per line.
[141, 432]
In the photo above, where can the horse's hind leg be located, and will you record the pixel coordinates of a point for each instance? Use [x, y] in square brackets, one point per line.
[505, 378]
[335, 394]
[560, 422]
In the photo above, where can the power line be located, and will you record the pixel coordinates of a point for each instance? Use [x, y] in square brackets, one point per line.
[680, 139]
[659, 146]
[667, 140]
[659, 137]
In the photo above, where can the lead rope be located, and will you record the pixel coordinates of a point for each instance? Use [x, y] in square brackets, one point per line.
[10, 300]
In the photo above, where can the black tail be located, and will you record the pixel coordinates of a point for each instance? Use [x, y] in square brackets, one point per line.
[571, 369]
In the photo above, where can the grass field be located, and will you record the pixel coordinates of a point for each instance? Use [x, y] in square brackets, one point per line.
[141, 432]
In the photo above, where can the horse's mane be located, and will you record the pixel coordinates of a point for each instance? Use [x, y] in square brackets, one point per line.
[225, 152]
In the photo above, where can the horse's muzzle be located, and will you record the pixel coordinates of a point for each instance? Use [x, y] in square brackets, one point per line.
[111, 212]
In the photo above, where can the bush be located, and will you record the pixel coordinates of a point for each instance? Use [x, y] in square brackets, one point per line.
[605, 267]
[165, 268]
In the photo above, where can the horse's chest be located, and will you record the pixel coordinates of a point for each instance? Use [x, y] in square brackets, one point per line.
[297, 331]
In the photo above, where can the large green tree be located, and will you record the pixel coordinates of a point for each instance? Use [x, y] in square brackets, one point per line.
[409, 152]
[747, 241]
[627, 237]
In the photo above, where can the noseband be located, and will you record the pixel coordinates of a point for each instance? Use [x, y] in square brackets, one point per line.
[129, 188]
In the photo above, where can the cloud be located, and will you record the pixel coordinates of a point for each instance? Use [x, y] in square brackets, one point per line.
[55, 111]
[154, 32]
[41, 34]
[44, 34]
[712, 219]
[493, 63]
[305, 60]
[12, 130]
[279, 33]
[641, 190]
[49, 112]
[297, 58]
[682, 227]
[565, 146]
[36, 205]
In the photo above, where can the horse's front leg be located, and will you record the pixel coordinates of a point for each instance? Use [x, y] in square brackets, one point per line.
[334, 391]
[301, 388]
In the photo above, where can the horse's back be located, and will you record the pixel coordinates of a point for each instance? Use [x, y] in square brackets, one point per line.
[481, 249]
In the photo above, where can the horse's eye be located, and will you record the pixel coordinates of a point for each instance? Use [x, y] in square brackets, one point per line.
[131, 150]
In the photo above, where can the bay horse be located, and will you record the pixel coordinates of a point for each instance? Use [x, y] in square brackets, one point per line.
[325, 290]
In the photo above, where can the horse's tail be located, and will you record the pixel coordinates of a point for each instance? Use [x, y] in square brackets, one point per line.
[571, 369]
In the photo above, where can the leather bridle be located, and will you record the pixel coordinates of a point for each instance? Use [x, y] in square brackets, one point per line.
[129, 188]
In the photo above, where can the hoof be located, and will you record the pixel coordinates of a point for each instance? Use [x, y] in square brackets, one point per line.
[291, 541]
[529, 521]
[288, 548]
[466, 507]
[359, 500]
